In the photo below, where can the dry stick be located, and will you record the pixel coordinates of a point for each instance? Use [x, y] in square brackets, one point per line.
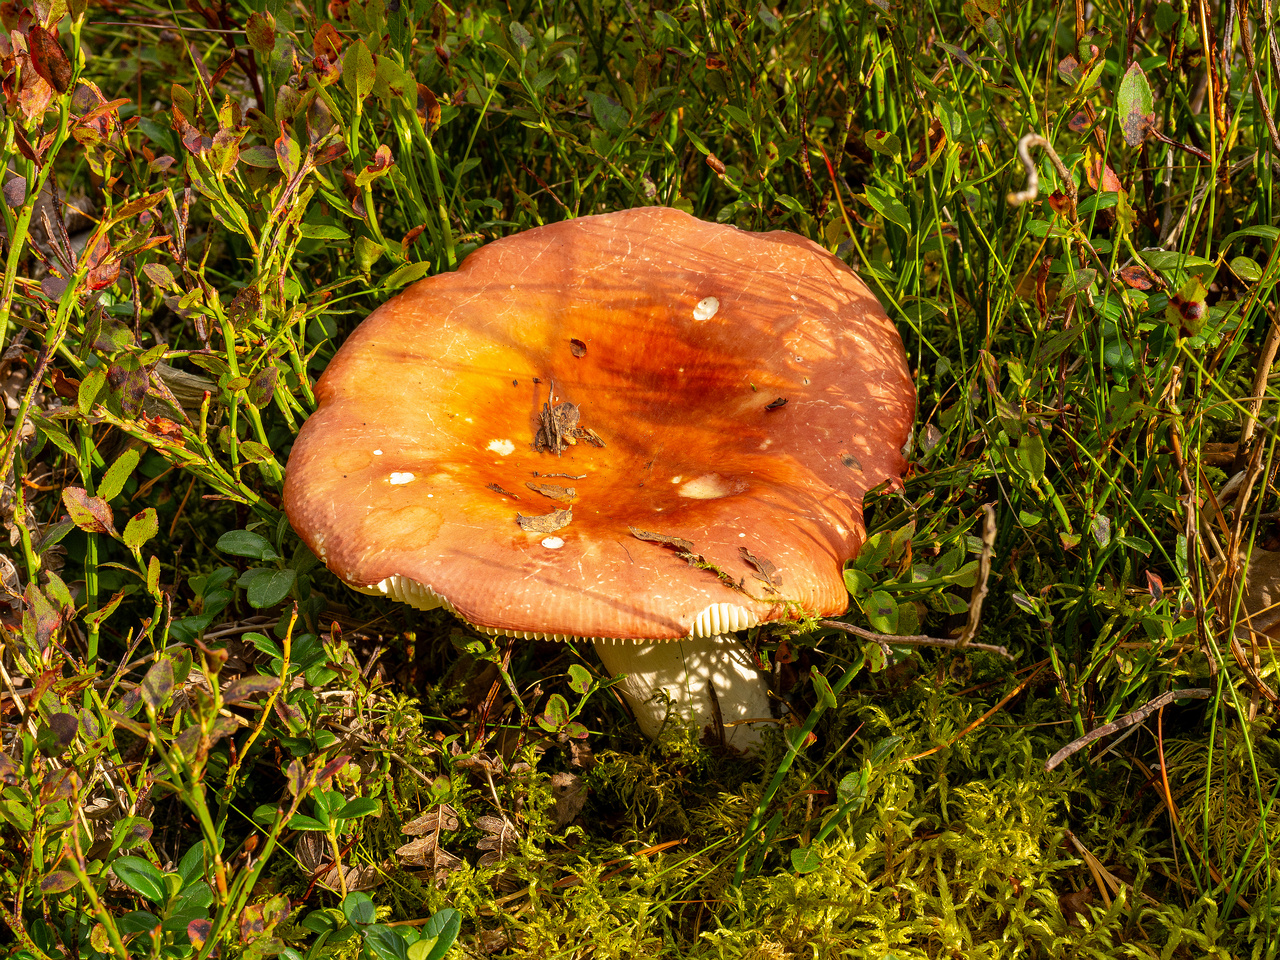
[1246, 43]
[1128, 720]
[984, 571]
[1265, 359]
[917, 640]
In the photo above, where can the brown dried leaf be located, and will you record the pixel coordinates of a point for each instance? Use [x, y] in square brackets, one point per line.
[570, 793]
[554, 491]
[548, 523]
[500, 840]
[577, 348]
[678, 544]
[48, 59]
[440, 817]
[765, 570]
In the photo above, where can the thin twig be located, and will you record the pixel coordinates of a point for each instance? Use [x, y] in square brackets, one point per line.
[984, 572]
[1128, 720]
[917, 640]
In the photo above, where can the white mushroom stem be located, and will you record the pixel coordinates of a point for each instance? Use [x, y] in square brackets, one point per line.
[685, 669]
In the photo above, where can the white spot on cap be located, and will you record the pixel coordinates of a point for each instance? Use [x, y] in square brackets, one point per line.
[711, 486]
[706, 308]
[676, 479]
[764, 444]
[503, 448]
[553, 543]
[377, 453]
[399, 478]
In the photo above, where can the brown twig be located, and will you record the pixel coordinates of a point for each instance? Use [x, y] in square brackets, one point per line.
[1128, 720]
[917, 640]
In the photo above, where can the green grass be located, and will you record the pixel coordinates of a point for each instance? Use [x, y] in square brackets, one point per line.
[256, 180]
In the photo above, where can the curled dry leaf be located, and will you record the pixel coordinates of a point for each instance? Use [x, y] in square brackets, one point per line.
[499, 841]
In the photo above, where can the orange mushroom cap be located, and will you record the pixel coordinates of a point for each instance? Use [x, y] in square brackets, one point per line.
[747, 388]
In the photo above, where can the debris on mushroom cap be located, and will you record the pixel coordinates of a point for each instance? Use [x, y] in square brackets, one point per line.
[454, 393]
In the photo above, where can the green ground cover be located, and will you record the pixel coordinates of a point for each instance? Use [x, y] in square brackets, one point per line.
[209, 746]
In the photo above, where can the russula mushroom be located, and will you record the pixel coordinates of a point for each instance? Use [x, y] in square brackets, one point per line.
[627, 428]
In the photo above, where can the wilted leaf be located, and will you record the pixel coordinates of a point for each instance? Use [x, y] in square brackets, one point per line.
[157, 685]
[261, 31]
[90, 514]
[1136, 105]
[48, 59]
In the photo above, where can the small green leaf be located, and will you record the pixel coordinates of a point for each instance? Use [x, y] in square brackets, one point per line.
[141, 528]
[358, 72]
[882, 612]
[579, 678]
[141, 877]
[265, 587]
[805, 859]
[1031, 455]
[243, 543]
[1246, 269]
[883, 143]
[358, 909]
[359, 807]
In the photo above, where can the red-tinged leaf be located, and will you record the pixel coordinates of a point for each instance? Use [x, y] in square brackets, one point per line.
[428, 108]
[90, 514]
[1069, 70]
[95, 622]
[243, 688]
[331, 768]
[15, 192]
[252, 923]
[34, 96]
[1080, 122]
[60, 881]
[48, 59]
[1155, 586]
[1059, 202]
[135, 207]
[103, 109]
[24, 145]
[1137, 277]
[288, 154]
[161, 164]
[198, 932]
[327, 43]
[1099, 175]
[261, 156]
[928, 149]
[331, 153]
[411, 236]
[260, 29]
[158, 274]
[1135, 105]
[103, 268]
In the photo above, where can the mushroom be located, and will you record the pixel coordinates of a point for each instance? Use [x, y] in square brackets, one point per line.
[639, 428]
